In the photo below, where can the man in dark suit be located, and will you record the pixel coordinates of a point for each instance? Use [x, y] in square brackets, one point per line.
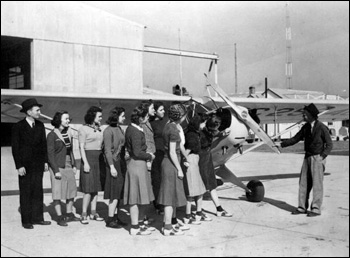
[29, 151]
[317, 144]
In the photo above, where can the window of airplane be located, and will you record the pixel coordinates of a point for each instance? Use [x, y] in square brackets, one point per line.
[15, 63]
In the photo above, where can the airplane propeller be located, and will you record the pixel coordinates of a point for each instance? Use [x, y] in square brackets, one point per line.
[244, 116]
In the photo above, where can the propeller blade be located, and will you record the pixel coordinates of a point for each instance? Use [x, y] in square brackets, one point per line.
[243, 115]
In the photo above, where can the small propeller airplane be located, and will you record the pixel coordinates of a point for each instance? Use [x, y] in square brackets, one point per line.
[237, 116]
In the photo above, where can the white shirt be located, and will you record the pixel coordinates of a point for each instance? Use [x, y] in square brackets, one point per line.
[312, 125]
[30, 122]
[138, 127]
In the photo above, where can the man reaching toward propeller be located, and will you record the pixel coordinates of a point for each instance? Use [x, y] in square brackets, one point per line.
[317, 144]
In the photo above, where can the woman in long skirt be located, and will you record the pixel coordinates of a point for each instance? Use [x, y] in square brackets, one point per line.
[113, 148]
[137, 189]
[172, 193]
[193, 182]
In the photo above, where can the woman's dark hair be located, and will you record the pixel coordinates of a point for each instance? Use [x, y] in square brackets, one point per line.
[194, 123]
[146, 104]
[138, 113]
[91, 114]
[114, 114]
[158, 104]
[57, 118]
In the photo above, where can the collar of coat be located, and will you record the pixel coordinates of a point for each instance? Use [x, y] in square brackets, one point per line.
[58, 133]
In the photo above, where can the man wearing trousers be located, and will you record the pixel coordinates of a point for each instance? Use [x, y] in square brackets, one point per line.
[29, 151]
[317, 144]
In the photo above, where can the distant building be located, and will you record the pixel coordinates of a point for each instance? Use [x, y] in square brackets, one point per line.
[286, 94]
[294, 94]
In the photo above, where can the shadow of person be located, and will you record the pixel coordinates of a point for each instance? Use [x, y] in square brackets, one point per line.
[50, 209]
[101, 207]
[277, 203]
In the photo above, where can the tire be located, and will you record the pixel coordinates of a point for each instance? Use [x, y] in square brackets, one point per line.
[257, 191]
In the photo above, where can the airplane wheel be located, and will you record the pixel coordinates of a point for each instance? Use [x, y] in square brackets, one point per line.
[257, 191]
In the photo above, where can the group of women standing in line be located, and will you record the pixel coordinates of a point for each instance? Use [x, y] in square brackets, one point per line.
[181, 166]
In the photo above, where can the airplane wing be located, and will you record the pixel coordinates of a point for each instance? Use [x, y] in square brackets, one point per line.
[270, 110]
[75, 104]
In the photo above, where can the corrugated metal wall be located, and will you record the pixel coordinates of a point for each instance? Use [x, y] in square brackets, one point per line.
[77, 48]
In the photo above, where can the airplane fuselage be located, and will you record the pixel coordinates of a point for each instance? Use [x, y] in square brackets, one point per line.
[224, 147]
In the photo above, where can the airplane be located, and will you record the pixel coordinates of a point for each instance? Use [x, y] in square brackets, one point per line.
[238, 116]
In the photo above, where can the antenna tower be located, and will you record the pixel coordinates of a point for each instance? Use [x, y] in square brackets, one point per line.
[289, 70]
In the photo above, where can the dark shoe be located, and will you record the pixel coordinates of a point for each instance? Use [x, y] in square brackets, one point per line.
[43, 223]
[121, 223]
[71, 217]
[113, 224]
[61, 222]
[28, 226]
[297, 212]
[313, 214]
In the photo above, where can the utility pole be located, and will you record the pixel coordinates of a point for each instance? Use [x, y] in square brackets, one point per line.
[289, 70]
[266, 125]
[236, 85]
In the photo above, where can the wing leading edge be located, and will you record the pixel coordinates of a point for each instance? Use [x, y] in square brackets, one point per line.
[75, 104]
[270, 111]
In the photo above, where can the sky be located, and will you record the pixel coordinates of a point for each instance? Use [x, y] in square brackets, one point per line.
[320, 43]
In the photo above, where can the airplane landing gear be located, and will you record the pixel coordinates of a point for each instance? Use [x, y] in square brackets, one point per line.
[257, 191]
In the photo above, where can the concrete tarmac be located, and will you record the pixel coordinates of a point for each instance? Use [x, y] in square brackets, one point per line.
[263, 229]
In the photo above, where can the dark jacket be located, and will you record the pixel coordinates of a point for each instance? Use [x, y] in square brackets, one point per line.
[135, 143]
[158, 126]
[193, 142]
[57, 150]
[316, 142]
[29, 148]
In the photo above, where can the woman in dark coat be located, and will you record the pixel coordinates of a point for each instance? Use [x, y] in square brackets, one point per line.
[194, 187]
[62, 166]
[206, 166]
[158, 123]
[138, 189]
[114, 152]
